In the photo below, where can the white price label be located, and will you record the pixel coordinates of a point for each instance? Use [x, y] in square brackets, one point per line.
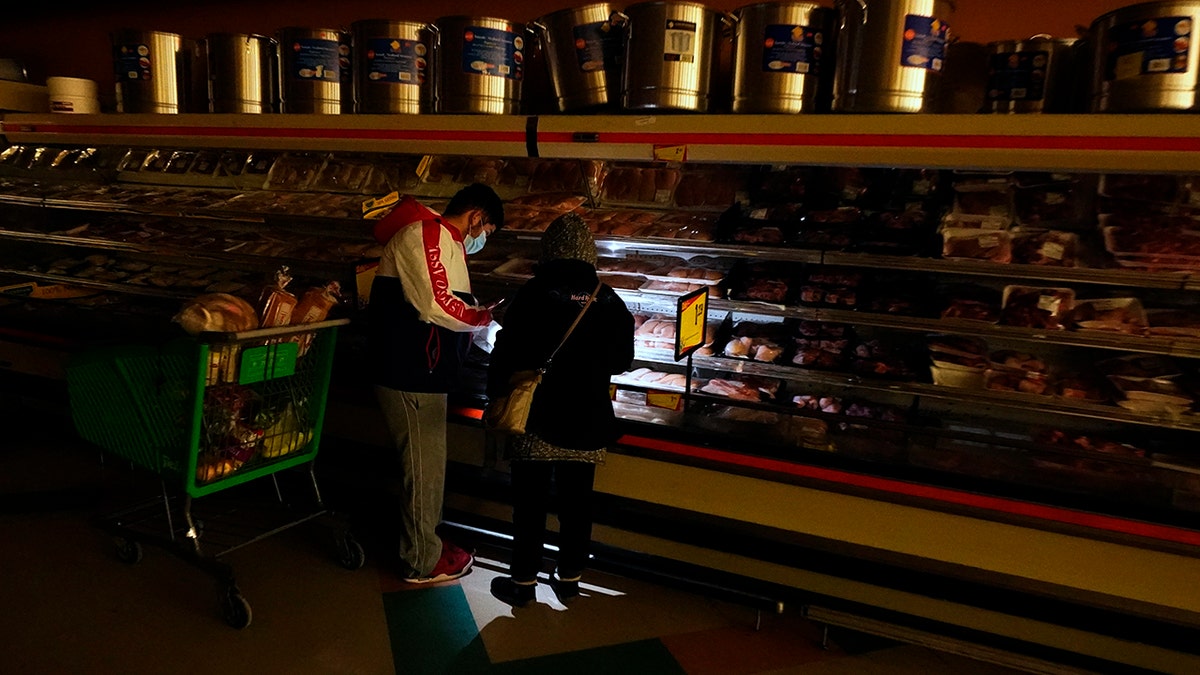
[1049, 303]
[1053, 250]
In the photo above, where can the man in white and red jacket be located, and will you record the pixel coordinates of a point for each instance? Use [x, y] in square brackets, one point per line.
[422, 317]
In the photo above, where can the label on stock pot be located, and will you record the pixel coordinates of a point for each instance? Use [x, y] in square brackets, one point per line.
[596, 45]
[679, 42]
[487, 51]
[1149, 47]
[314, 59]
[395, 60]
[1018, 76]
[924, 42]
[791, 49]
[132, 62]
[344, 70]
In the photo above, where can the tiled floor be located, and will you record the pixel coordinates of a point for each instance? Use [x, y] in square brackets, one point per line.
[71, 607]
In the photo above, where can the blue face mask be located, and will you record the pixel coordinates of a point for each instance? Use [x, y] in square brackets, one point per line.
[475, 244]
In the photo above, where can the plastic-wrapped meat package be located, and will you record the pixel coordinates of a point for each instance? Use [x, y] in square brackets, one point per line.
[484, 170]
[873, 358]
[655, 378]
[768, 235]
[1081, 387]
[1144, 187]
[1054, 203]
[762, 282]
[756, 341]
[678, 287]
[1120, 315]
[842, 215]
[972, 244]
[444, 168]
[1017, 362]
[984, 198]
[1010, 380]
[715, 187]
[820, 345]
[827, 404]
[957, 350]
[830, 287]
[640, 185]
[1049, 248]
[1140, 366]
[1173, 322]
[1030, 307]
[969, 302]
[559, 175]
[748, 388]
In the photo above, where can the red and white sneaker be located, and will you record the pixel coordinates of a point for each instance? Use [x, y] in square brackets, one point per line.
[453, 564]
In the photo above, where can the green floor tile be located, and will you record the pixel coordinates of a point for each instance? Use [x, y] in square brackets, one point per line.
[433, 632]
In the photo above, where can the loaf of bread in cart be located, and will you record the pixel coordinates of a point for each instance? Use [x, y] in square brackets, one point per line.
[218, 312]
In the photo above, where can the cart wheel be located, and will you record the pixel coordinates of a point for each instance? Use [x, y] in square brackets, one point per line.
[350, 552]
[235, 610]
[128, 551]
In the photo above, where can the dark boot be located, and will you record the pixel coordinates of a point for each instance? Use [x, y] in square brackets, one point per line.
[510, 592]
[565, 591]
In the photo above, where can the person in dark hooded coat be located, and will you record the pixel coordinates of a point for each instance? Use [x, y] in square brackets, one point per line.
[571, 422]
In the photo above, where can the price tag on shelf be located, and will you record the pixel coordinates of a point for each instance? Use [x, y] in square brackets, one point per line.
[665, 400]
[423, 166]
[376, 208]
[691, 319]
[670, 153]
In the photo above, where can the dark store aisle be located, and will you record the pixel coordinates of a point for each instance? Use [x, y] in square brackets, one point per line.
[72, 607]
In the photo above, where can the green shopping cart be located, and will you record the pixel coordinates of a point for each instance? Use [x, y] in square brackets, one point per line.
[210, 415]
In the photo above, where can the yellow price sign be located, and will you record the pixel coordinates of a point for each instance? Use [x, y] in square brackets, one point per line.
[662, 399]
[670, 153]
[691, 320]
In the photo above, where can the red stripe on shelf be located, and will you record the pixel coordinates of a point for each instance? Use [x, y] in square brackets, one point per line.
[258, 132]
[1049, 513]
[933, 141]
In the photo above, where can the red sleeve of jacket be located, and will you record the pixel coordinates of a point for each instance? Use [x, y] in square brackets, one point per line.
[434, 236]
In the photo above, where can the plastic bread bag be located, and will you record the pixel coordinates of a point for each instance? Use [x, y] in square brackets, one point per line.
[276, 304]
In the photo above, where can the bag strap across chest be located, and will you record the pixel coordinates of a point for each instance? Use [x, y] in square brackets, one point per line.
[571, 328]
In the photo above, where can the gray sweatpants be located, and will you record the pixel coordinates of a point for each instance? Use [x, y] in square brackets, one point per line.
[417, 424]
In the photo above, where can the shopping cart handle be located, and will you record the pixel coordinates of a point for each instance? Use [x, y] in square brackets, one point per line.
[276, 331]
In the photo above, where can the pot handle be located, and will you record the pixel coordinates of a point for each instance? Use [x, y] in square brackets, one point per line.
[862, 4]
[1041, 36]
[729, 22]
[435, 44]
[537, 36]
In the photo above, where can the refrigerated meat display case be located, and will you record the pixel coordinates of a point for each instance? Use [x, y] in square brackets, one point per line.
[949, 370]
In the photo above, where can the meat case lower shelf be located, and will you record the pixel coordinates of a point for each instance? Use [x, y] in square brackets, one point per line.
[894, 371]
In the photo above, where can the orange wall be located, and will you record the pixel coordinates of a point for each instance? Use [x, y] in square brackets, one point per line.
[53, 40]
